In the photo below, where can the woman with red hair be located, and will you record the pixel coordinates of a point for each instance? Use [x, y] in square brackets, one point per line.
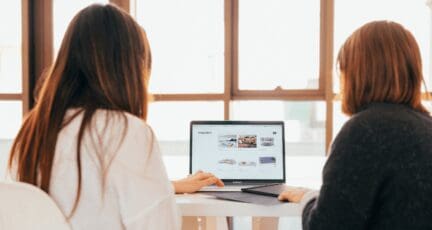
[379, 171]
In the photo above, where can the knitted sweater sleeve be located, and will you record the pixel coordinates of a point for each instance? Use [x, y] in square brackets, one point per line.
[351, 180]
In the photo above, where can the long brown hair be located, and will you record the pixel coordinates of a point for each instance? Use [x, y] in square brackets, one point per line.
[103, 63]
[380, 62]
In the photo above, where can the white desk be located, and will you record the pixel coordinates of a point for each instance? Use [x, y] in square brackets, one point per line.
[204, 205]
[201, 211]
[300, 171]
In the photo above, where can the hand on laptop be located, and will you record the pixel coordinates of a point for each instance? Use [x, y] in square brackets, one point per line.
[195, 182]
[293, 194]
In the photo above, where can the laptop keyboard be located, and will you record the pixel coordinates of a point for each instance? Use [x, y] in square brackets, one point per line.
[226, 188]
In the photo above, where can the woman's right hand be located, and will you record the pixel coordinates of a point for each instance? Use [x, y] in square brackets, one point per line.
[195, 182]
[293, 194]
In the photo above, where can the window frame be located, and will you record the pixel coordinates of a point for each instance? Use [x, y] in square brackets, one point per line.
[38, 55]
[23, 96]
[231, 83]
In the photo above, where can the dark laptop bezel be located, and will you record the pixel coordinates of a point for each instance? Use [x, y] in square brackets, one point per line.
[241, 181]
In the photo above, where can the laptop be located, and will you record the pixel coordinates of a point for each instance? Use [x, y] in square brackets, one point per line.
[241, 153]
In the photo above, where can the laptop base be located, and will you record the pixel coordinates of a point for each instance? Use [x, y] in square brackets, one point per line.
[231, 188]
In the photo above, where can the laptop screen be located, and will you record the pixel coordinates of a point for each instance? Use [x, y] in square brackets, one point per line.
[235, 150]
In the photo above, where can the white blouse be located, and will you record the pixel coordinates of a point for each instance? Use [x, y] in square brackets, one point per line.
[124, 182]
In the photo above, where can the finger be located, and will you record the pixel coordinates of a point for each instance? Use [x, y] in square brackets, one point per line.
[209, 181]
[284, 196]
[219, 182]
[203, 175]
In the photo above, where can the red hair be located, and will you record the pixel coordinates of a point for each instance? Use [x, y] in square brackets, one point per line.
[380, 62]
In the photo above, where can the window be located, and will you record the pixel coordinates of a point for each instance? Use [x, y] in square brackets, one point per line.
[187, 42]
[304, 122]
[275, 50]
[10, 69]
[415, 15]
[223, 53]
[228, 59]
[171, 124]
[188, 62]
[339, 118]
[10, 121]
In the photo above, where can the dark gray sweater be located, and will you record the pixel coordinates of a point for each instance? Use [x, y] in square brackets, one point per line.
[378, 174]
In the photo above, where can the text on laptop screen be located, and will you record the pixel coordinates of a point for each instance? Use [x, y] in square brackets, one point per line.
[238, 151]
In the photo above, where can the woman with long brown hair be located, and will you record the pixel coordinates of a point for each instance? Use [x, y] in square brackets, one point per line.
[86, 143]
[379, 171]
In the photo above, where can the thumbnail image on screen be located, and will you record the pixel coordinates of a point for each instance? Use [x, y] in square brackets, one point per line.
[227, 141]
[247, 141]
[267, 141]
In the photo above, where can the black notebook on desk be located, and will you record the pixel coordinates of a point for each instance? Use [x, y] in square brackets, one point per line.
[246, 198]
[267, 190]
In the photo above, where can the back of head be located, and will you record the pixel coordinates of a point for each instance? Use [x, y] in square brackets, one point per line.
[103, 63]
[380, 62]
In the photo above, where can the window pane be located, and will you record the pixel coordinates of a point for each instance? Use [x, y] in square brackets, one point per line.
[415, 15]
[63, 13]
[278, 44]
[10, 122]
[339, 118]
[187, 42]
[428, 105]
[304, 122]
[10, 47]
[5, 146]
[170, 122]
[10, 118]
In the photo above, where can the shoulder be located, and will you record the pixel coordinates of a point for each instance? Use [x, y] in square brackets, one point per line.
[358, 126]
[384, 127]
[132, 139]
[394, 113]
[365, 130]
[393, 120]
[355, 146]
[122, 134]
[118, 121]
